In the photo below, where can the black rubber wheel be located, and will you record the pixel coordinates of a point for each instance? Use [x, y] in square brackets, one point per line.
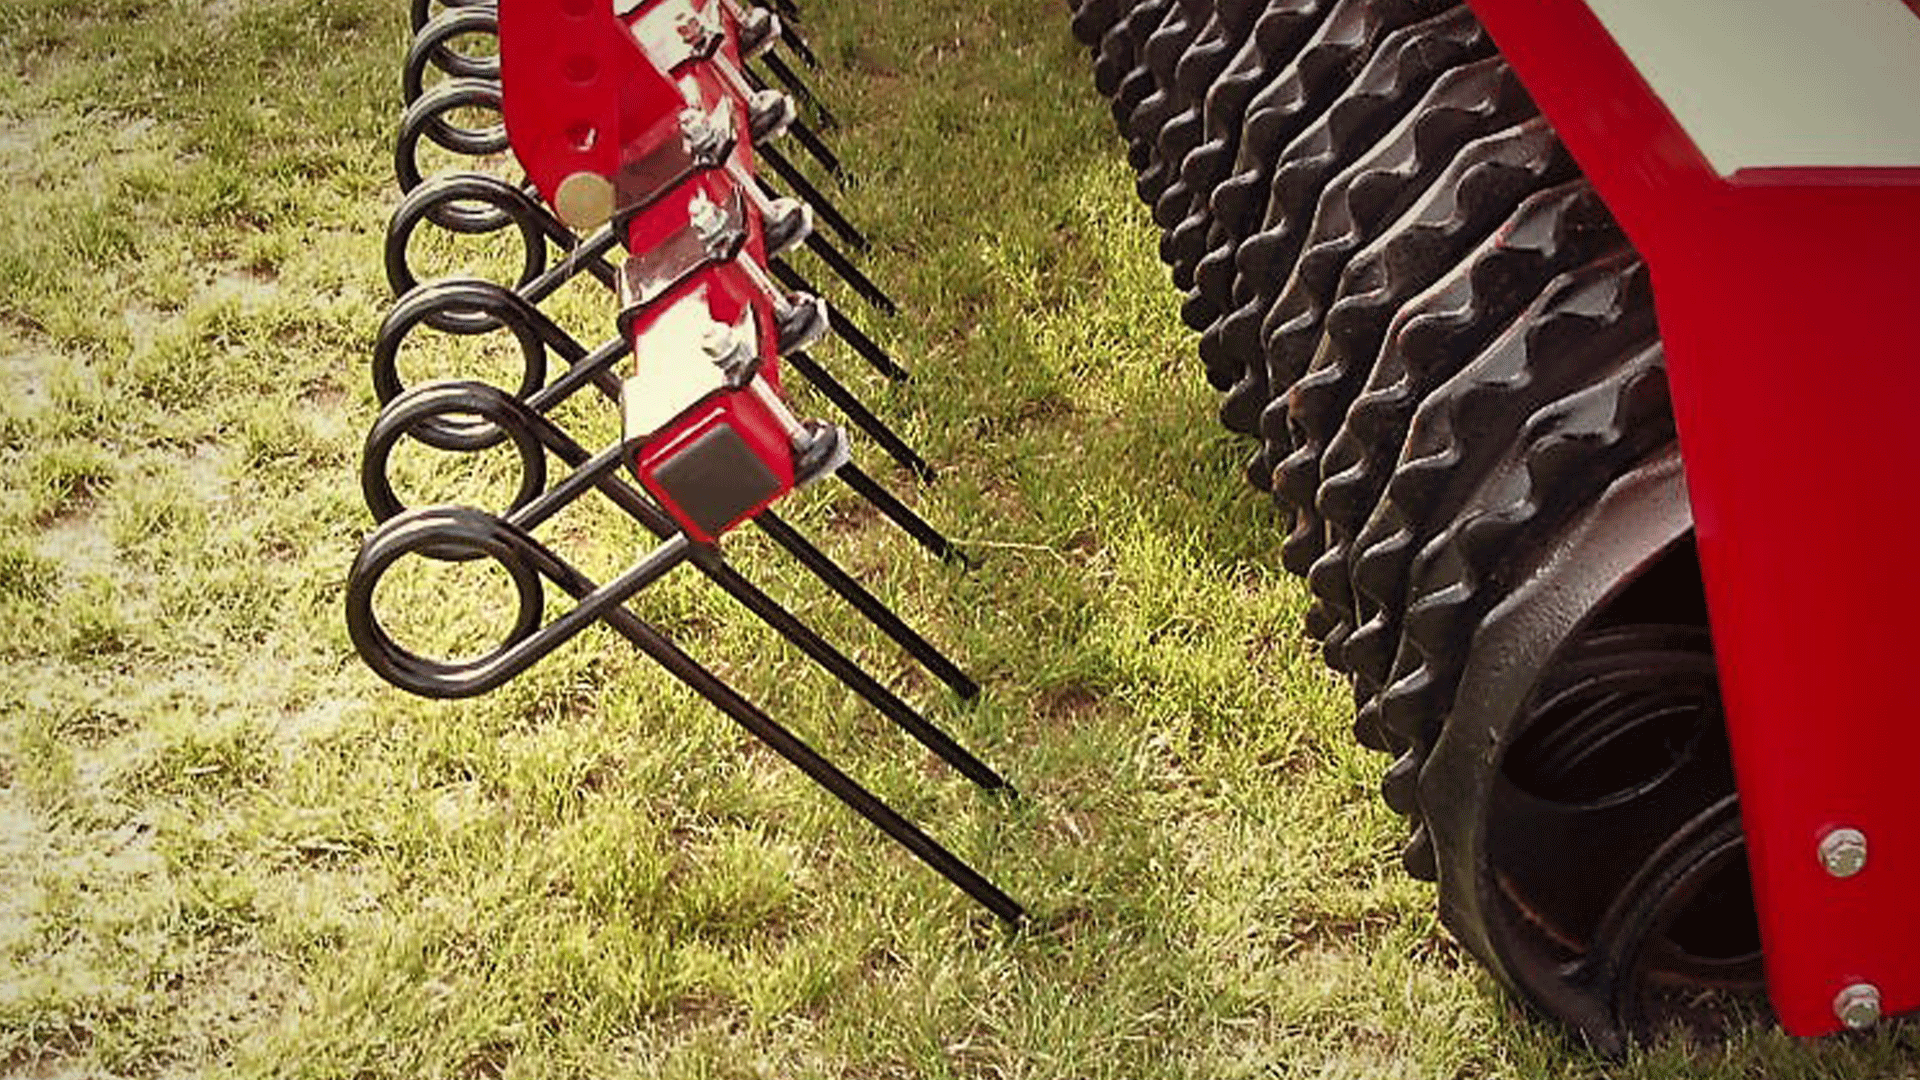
[1585, 826]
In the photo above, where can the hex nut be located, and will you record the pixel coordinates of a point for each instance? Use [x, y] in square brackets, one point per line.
[1858, 1006]
[1844, 852]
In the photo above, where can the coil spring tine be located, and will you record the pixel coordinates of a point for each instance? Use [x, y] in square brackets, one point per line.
[430, 47]
[528, 429]
[500, 306]
[822, 771]
[422, 119]
[527, 560]
[446, 201]
[439, 530]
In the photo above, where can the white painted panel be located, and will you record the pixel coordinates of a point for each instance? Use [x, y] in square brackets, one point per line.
[1781, 83]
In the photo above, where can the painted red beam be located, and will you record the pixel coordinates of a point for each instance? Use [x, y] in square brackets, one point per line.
[640, 114]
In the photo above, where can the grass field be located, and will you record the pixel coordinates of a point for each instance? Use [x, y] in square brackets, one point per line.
[227, 849]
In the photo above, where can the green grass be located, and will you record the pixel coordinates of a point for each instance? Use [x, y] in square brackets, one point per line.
[226, 848]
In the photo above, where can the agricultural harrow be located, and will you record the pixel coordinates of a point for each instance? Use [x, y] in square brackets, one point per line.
[638, 145]
[1514, 301]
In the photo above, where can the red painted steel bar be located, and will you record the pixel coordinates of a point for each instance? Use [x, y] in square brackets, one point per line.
[639, 113]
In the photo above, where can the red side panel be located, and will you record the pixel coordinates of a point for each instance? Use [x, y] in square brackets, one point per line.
[1790, 305]
[572, 83]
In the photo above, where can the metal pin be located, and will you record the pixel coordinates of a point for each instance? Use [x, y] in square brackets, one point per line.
[866, 603]
[1858, 1006]
[1844, 852]
[584, 200]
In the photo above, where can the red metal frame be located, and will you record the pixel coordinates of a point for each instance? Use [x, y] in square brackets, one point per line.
[1787, 303]
[582, 93]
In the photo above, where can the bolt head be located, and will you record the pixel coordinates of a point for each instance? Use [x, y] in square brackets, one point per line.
[704, 139]
[1844, 852]
[719, 340]
[698, 33]
[1858, 1006]
[584, 201]
[709, 220]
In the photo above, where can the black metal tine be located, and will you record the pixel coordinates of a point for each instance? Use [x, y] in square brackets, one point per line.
[843, 325]
[582, 367]
[876, 610]
[441, 528]
[803, 757]
[861, 284]
[792, 38]
[850, 674]
[600, 471]
[586, 476]
[811, 142]
[863, 418]
[818, 768]
[902, 515]
[857, 340]
[797, 86]
[812, 196]
[708, 561]
[851, 274]
[587, 256]
[591, 254]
